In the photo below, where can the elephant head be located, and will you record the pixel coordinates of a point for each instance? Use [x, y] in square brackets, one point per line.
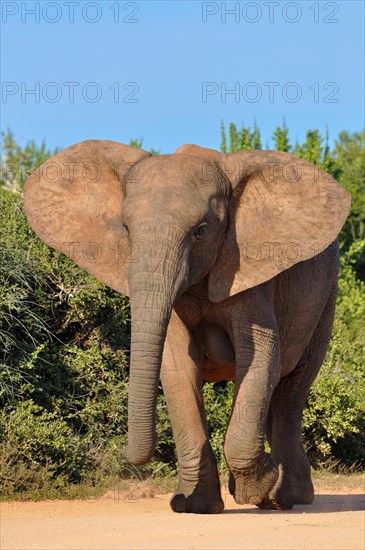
[151, 227]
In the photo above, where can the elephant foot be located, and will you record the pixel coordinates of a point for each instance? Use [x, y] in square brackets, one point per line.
[284, 501]
[253, 486]
[272, 503]
[287, 492]
[199, 498]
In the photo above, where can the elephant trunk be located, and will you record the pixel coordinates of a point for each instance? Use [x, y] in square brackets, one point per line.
[154, 286]
[148, 336]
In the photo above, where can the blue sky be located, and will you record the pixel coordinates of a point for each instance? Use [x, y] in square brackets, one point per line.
[162, 70]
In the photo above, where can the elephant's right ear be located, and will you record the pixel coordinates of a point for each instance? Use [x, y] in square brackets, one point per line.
[73, 203]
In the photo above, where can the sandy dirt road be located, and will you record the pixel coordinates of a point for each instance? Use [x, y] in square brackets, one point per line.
[335, 520]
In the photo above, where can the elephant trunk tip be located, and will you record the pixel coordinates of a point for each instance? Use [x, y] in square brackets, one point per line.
[138, 457]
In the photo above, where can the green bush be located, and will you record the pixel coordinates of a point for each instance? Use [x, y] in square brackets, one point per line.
[218, 398]
[39, 447]
[334, 420]
[63, 368]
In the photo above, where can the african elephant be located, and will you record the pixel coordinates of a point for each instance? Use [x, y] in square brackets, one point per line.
[231, 264]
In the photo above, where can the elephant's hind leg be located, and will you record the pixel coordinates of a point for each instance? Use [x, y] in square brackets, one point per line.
[199, 487]
[294, 485]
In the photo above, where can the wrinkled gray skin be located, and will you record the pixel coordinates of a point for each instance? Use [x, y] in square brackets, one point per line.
[271, 338]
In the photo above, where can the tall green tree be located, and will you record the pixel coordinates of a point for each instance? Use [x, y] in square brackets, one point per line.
[138, 143]
[256, 137]
[281, 138]
[312, 149]
[245, 139]
[17, 162]
[233, 138]
[240, 140]
[349, 156]
[328, 162]
[223, 138]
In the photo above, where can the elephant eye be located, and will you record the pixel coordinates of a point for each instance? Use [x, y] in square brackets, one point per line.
[126, 228]
[200, 232]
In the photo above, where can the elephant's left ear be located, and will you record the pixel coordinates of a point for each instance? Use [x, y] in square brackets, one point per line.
[283, 211]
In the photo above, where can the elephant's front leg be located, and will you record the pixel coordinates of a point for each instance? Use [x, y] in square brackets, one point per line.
[253, 472]
[199, 487]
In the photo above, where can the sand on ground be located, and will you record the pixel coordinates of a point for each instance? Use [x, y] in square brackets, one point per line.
[123, 520]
